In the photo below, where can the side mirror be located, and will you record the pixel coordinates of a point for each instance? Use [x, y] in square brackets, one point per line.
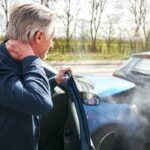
[90, 98]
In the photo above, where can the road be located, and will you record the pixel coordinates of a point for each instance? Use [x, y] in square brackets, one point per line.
[89, 66]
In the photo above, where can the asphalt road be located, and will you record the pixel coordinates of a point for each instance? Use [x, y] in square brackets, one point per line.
[102, 67]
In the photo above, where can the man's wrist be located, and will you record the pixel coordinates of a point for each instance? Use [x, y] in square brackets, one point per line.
[57, 80]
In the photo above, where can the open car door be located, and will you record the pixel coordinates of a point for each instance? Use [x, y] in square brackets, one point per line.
[81, 123]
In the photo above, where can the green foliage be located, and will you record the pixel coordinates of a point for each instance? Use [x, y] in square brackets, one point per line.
[81, 49]
[85, 56]
[59, 56]
[2, 38]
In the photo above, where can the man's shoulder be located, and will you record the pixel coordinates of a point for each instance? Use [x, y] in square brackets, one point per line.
[2, 45]
[5, 59]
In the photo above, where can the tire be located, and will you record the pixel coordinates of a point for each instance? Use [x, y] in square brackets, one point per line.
[111, 137]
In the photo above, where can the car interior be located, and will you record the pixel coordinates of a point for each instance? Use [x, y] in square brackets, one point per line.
[57, 128]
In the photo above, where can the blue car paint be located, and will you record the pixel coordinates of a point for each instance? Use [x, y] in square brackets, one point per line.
[109, 85]
[109, 113]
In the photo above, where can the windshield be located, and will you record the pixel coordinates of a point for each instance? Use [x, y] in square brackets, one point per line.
[129, 64]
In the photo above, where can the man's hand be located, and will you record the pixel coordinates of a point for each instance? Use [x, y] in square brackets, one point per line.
[19, 50]
[60, 77]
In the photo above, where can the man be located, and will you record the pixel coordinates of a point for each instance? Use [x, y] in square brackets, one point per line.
[24, 87]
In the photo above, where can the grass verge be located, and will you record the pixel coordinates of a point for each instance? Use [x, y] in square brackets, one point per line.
[52, 56]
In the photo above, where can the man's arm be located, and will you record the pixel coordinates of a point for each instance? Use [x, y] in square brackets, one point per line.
[29, 92]
[60, 77]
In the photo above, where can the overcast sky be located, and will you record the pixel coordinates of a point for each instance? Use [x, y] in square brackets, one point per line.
[123, 16]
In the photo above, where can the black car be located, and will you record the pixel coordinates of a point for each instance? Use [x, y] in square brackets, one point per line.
[137, 71]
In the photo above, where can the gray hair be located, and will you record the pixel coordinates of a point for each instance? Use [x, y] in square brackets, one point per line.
[26, 19]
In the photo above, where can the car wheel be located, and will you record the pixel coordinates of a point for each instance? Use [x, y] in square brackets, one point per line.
[110, 137]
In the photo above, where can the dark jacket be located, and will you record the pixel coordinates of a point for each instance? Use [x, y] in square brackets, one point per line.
[24, 96]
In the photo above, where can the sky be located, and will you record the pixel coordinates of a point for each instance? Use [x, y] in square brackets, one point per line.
[123, 16]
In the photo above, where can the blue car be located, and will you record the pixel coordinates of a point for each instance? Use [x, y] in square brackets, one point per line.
[92, 113]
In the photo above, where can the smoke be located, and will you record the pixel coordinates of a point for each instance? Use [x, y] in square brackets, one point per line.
[139, 102]
[141, 107]
[139, 128]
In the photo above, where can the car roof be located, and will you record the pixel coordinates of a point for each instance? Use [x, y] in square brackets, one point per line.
[142, 55]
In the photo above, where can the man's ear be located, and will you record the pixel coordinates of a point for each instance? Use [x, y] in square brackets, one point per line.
[38, 37]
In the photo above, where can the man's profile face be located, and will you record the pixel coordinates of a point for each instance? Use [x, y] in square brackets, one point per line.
[43, 44]
[47, 43]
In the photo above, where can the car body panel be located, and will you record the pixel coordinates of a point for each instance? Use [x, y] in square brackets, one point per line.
[108, 113]
[109, 85]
